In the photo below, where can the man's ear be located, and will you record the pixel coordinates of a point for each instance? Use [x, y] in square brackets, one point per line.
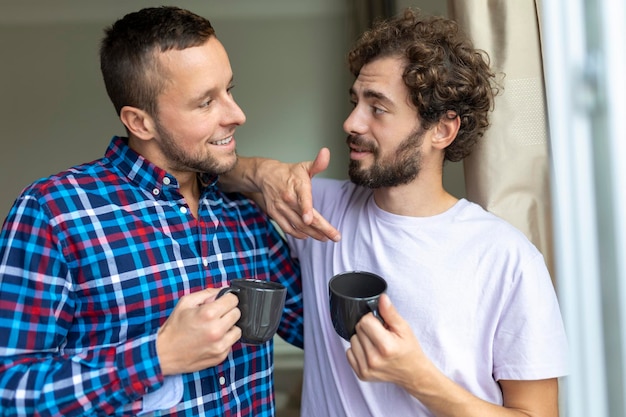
[139, 123]
[446, 129]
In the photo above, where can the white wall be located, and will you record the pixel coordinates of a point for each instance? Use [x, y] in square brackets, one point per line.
[287, 57]
[290, 73]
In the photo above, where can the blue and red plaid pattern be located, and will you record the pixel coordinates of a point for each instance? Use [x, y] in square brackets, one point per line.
[92, 262]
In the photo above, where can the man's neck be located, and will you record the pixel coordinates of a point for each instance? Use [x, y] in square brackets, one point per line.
[189, 187]
[416, 199]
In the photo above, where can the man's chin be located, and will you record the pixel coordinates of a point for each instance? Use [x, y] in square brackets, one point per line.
[360, 178]
[225, 165]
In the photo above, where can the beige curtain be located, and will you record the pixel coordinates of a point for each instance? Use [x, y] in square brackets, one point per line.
[508, 173]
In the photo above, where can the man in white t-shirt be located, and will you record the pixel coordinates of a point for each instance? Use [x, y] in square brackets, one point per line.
[472, 323]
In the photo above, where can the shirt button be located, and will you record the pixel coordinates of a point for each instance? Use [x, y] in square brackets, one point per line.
[166, 181]
[205, 262]
[156, 191]
[222, 380]
[183, 210]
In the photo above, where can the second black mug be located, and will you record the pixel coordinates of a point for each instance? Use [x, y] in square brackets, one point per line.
[352, 295]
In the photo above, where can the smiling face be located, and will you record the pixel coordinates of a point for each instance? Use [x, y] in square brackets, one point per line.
[384, 132]
[196, 113]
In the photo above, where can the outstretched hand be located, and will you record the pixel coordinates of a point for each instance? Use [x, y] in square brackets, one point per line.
[287, 197]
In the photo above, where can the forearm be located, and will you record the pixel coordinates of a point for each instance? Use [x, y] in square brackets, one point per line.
[102, 381]
[244, 176]
[445, 398]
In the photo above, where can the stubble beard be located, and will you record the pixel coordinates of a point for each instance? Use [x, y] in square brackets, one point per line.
[399, 169]
[181, 160]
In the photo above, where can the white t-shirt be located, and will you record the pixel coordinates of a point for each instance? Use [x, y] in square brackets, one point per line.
[475, 291]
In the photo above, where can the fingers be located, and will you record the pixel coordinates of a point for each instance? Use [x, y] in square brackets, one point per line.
[352, 360]
[319, 228]
[199, 332]
[356, 357]
[324, 228]
[361, 355]
[223, 332]
[291, 223]
[198, 298]
[304, 195]
[369, 326]
[220, 308]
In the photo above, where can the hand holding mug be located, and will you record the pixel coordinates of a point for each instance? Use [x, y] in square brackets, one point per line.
[261, 304]
[199, 333]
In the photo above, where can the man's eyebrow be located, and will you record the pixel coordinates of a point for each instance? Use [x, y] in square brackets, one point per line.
[375, 95]
[211, 91]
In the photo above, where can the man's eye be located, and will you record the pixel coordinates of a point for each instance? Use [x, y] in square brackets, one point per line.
[377, 110]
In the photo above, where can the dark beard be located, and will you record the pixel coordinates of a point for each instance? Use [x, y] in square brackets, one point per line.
[402, 169]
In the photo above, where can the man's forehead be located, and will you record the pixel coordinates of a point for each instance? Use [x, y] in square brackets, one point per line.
[381, 79]
[384, 69]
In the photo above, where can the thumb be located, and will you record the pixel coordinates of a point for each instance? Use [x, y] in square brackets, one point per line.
[389, 314]
[320, 163]
[313, 168]
[200, 297]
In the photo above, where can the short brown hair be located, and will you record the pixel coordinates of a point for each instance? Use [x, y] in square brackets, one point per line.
[128, 52]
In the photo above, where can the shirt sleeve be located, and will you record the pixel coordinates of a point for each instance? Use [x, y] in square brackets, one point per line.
[170, 394]
[286, 270]
[39, 375]
[530, 341]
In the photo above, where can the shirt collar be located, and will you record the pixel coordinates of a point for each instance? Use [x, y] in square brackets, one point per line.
[143, 172]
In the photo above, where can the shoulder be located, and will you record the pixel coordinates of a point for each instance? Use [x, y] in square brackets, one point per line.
[494, 234]
[69, 183]
[485, 220]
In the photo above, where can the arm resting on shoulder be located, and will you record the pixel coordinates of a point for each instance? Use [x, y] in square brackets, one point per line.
[283, 191]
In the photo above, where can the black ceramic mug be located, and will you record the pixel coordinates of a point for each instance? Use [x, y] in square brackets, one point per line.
[352, 295]
[261, 304]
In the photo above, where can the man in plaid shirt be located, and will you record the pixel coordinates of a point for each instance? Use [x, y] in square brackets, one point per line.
[109, 270]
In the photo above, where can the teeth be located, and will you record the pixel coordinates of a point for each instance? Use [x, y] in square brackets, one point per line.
[223, 141]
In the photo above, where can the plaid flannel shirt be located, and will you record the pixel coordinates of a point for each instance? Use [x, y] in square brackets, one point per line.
[93, 261]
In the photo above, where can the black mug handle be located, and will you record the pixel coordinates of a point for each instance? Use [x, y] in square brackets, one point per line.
[373, 305]
[226, 290]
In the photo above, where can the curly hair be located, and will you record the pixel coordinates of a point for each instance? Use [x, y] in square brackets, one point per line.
[443, 72]
[129, 52]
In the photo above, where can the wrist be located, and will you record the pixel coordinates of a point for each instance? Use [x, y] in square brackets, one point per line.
[241, 177]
